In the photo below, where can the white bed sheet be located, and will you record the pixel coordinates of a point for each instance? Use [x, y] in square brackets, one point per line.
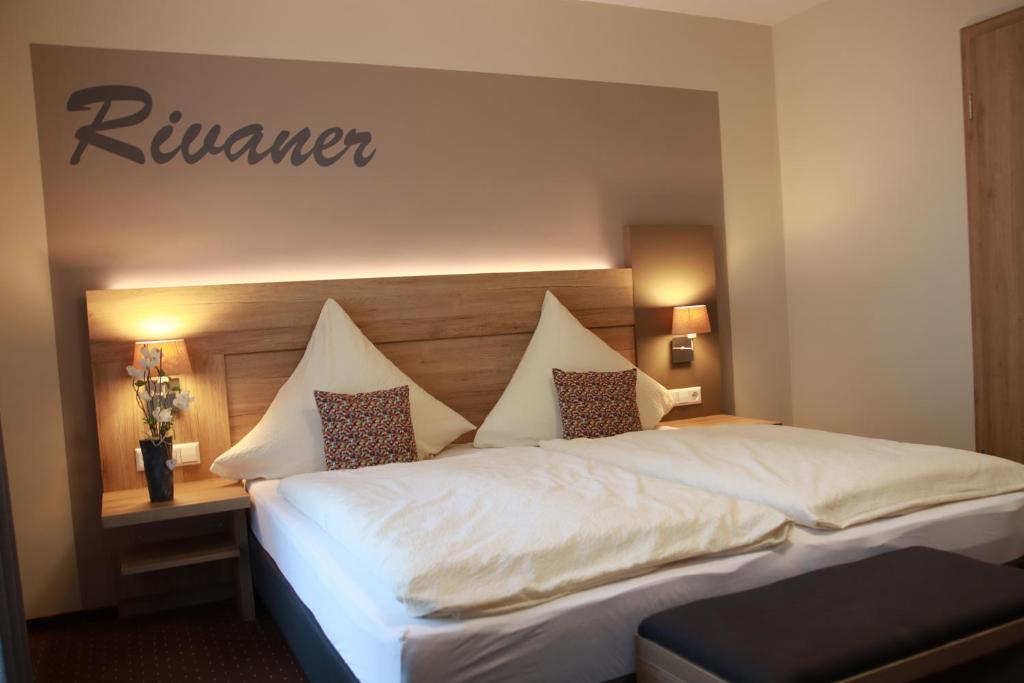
[587, 636]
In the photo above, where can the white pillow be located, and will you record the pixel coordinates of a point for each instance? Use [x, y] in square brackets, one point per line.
[527, 411]
[289, 438]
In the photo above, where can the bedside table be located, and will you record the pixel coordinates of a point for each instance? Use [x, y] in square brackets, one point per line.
[132, 508]
[715, 420]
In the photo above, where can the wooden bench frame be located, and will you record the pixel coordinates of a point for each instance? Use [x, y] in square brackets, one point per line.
[656, 664]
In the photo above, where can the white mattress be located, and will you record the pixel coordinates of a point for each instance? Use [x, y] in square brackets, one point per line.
[587, 636]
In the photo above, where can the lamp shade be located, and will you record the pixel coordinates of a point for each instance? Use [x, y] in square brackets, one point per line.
[173, 356]
[690, 320]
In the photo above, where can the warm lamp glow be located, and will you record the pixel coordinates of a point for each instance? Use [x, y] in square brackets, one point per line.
[174, 356]
[157, 328]
[690, 320]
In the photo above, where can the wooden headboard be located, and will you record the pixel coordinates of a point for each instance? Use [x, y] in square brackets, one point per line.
[460, 337]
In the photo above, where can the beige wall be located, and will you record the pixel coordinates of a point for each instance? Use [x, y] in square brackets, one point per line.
[458, 187]
[871, 138]
[532, 37]
[29, 394]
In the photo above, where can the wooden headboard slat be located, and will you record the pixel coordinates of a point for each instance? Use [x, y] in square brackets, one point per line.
[459, 336]
[386, 309]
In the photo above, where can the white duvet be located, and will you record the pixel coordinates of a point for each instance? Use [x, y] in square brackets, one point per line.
[503, 529]
[818, 479]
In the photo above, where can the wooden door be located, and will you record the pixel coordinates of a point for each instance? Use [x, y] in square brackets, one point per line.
[993, 71]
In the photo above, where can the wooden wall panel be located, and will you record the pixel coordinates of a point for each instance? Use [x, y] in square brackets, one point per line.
[386, 309]
[460, 337]
[674, 266]
[467, 374]
[252, 382]
[209, 386]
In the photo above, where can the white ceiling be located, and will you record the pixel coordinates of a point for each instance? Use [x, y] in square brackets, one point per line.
[768, 12]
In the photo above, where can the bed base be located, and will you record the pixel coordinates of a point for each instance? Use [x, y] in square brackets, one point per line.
[317, 656]
[314, 652]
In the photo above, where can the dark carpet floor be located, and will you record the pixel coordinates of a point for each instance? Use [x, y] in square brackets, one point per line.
[205, 643]
[210, 643]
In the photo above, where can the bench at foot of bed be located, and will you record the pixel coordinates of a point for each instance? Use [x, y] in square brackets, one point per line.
[893, 617]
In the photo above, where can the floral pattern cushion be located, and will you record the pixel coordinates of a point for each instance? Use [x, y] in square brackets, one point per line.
[596, 404]
[372, 428]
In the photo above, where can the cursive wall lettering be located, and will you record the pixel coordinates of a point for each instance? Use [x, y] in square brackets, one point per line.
[192, 145]
[81, 100]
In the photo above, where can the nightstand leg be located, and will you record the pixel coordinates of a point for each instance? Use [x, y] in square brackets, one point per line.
[246, 605]
[120, 544]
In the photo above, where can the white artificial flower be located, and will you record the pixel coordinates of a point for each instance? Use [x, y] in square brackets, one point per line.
[150, 357]
[136, 373]
[164, 415]
[144, 395]
[183, 400]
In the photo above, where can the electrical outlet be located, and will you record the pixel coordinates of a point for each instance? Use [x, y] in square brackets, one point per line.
[184, 454]
[688, 396]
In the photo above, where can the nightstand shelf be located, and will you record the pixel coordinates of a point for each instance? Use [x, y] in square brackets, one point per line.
[152, 557]
[203, 498]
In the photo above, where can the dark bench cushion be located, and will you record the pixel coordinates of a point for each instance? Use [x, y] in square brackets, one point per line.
[839, 621]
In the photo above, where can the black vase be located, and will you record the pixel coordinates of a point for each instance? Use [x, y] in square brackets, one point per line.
[159, 477]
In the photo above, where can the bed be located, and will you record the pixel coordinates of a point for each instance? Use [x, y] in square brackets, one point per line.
[818, 479]
[587, 636]
[460, 337]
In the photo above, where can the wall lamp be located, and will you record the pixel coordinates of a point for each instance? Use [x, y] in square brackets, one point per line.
[687, 323]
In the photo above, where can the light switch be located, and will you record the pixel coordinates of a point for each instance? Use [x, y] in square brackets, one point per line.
[688, 396]
[187, 453]
[184, 454]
